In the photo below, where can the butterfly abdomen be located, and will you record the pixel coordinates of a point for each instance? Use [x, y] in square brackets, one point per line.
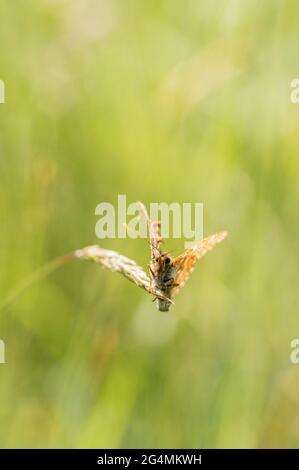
[165, 282]
[163, 305]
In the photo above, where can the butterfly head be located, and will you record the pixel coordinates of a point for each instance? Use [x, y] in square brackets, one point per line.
[162, 261]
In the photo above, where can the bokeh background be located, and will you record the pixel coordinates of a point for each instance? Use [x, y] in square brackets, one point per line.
[161, 101]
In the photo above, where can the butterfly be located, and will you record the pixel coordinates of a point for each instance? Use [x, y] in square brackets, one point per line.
[165, 275]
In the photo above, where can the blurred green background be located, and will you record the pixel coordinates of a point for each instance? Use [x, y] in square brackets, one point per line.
[161, 101]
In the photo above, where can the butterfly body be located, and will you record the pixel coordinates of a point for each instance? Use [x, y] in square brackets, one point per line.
[168, 274]
[163, 275]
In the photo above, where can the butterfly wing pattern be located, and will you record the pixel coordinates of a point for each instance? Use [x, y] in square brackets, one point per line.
[155, 239]
[185, 263]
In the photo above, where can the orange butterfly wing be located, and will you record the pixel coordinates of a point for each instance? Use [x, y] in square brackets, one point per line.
[185, 262]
